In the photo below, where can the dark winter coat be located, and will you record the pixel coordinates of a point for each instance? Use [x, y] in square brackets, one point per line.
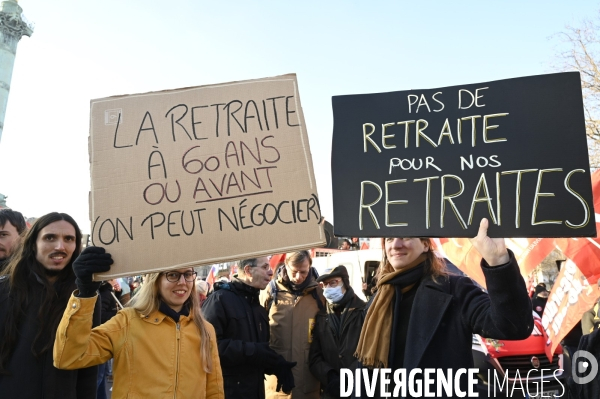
[445, 313]
[34, 378]
[328, 352]
[591, 389]
[108, 302]
[239, 321]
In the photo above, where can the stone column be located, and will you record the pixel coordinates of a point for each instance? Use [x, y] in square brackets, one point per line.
[12, 28]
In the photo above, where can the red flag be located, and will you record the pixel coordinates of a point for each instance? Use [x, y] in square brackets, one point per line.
[465, 257]
[585, 252]
[575, 290]
[233, 271]
[276, 260]
[212, 275]
[571, 296]
[529, 252]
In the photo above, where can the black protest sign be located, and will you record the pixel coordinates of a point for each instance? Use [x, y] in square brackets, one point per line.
[432, 163]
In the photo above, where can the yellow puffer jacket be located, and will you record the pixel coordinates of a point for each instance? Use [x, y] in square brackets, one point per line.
[154, 357]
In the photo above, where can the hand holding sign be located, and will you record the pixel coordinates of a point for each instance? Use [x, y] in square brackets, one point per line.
[493, 250]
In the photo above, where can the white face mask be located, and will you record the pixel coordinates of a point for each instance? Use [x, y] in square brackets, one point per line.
[333, 294]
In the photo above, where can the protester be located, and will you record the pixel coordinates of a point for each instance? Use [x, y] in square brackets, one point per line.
[337, 331]
[242, 328]
[122, 290]
[422, 317]
[589, 343]
[346, 244]
[34, 291]
[590, 320]
[12, 226]
[293, 299]
[539, 299]
[161, 344]
[135, 286]
[202, 290]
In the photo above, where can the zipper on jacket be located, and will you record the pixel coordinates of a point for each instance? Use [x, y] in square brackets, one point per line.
[177, 360]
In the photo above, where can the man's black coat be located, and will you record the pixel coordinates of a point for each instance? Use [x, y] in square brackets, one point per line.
[328, 352]
[37, 378]
[240, 323]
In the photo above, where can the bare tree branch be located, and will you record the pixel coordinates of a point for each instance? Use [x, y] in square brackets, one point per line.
[583, 55]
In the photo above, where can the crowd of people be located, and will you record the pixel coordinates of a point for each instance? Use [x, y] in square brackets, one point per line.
[284, 333]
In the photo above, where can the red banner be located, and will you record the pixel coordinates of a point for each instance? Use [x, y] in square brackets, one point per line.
[530, 252]
[585, 252]
[572, 295]
[575, 290]
[233, 271]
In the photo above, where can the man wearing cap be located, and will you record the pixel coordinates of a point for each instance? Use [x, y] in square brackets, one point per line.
[337, 331]
[242, 328]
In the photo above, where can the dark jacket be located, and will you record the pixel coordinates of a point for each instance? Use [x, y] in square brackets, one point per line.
[590, 390]
[328, 352]
[37, 378]
[445, 313]
[108, 302]
[240, 323]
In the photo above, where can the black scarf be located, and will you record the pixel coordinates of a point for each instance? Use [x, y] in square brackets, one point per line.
[250, 293]
[164, 308]
[297, 289]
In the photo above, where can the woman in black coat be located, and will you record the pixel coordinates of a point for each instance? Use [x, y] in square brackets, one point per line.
[423, 318]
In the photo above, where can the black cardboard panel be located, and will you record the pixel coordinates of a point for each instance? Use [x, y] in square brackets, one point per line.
[540, 132]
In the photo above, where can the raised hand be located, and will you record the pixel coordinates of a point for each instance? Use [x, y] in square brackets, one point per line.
[91, 260]
[493, 250]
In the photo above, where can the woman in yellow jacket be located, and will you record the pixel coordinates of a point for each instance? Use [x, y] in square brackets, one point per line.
[161, 345]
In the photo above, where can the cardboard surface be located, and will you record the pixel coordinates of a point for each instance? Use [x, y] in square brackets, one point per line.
[202, 175]
[432, 163]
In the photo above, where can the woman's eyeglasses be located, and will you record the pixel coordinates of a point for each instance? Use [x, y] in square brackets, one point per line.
[174, 277]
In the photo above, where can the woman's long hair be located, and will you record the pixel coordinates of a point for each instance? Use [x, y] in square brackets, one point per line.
[147, 300]
[435, 266]
[23, 273]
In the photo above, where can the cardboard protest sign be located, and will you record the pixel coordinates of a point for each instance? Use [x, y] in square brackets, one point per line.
[432, 163]
[202, 175]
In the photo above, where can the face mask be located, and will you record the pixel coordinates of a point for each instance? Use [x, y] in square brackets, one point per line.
[333, 295]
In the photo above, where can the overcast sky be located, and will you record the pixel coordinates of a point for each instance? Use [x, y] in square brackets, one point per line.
[81, 50]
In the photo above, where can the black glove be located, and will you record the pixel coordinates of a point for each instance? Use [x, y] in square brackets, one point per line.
[285, 377]
[92, 260]
[333, 385]
[263, 354]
